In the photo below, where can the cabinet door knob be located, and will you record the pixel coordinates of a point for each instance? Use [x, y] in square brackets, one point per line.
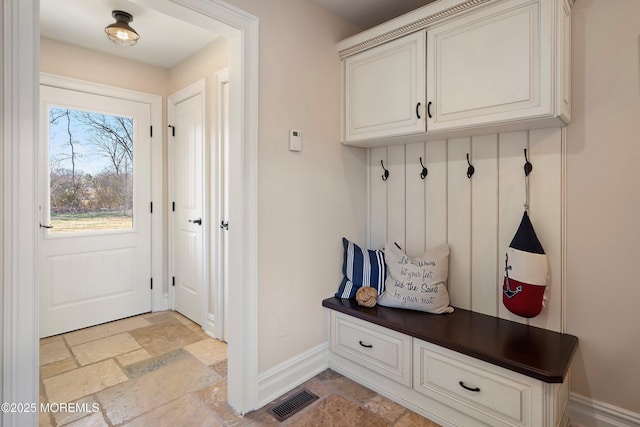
[429, 109]
[418, 110]
[365, 345]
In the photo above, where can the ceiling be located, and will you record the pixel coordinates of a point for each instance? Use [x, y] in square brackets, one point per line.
[369, 13]
[82, 22]
[164, 40]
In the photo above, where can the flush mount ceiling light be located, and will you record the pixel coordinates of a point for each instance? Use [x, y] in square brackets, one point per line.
[120, 32]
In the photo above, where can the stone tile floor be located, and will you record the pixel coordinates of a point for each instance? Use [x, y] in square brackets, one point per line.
[161, 369]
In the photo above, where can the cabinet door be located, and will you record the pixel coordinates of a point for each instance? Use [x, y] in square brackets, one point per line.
[491, 66]
[384, 90]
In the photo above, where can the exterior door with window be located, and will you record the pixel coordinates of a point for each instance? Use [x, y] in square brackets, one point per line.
[95, 229]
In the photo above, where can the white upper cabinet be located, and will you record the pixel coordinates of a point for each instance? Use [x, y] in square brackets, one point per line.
[494, 65]
[468, 67]
[384, 90]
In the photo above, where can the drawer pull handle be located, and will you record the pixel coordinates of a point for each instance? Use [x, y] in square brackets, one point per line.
[365, 345]
[474, 389]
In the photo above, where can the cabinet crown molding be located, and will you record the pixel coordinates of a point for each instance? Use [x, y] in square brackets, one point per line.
[434, 13]
[413, 21]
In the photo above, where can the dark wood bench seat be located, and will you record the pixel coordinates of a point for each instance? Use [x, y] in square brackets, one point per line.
[538, 353]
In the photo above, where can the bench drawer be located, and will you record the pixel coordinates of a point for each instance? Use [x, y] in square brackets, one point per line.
[472, 386]
[376, 348]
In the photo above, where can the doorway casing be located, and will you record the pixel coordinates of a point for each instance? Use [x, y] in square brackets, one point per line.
[218, 317]
[20, 367]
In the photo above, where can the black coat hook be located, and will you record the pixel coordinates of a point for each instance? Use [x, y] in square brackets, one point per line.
[470, 170]
[386, 172]
[424, 172]
[528, 167]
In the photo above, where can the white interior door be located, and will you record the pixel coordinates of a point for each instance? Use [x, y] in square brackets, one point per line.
[189, 225]
[94, 191]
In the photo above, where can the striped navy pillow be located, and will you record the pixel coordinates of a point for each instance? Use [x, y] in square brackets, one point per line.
[361, 267]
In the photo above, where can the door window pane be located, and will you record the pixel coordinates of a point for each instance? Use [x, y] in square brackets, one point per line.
[90, 171]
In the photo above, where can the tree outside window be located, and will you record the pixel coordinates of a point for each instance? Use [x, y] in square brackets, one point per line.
[90, 171]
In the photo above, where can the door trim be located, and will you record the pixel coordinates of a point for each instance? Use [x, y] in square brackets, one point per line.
[20, 68]
[20, 349]
[215, 320]
[242, 351]
[196, 88]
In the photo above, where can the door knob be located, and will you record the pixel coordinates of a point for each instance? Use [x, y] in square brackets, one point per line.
[224, 225]
[196, 221]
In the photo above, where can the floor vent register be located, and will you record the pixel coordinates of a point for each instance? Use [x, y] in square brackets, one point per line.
[293, 404]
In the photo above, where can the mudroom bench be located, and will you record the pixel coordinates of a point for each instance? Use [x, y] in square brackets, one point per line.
[457, 369]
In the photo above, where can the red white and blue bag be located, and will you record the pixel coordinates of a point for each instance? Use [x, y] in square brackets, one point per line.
[526, 271]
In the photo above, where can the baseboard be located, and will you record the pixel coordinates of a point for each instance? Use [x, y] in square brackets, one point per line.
[210, 326]
[585, 412]
[280, 379]
[582, 411]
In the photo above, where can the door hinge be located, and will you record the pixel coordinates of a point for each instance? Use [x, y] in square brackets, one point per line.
[151, 207]
[173, 281]
[152, 283]
[151, 131]
[173, 130]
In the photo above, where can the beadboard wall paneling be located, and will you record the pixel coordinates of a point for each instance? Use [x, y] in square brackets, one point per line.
[459, 221]
[546, 199]
[377, 197]
[511, 198]
[416, 200]
[476, 216]
[396, 195]
[484, 227]
[435, 187]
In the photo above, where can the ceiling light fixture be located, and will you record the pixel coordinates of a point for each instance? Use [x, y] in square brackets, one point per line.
[120, 32]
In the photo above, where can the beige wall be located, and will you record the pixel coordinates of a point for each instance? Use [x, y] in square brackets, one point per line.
[307, 200]
[603, 202]
[86, 64]
[201, 65]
